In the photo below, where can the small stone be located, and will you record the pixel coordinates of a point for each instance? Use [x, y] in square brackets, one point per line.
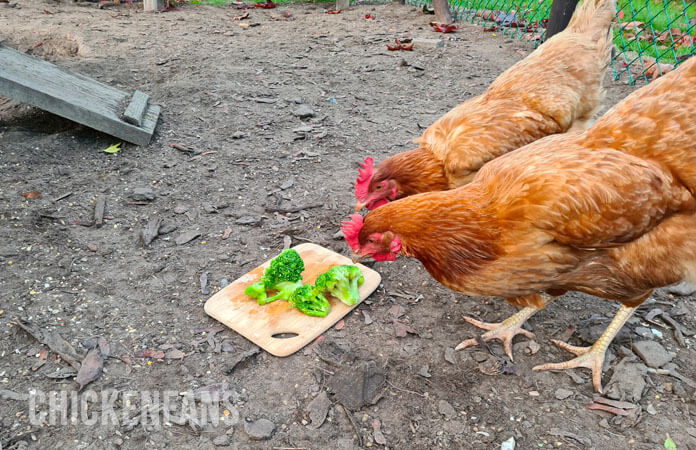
[143, 194]
[604, 423]
[421, 43]
[533, 393]
[644, 332]
[180, 209]
[446, 409]
[651, 409]
[627, 382]
[424, 371]
[679, 390]
[303, 129]
[479, 357]
[248, 220]
[532, 348]
[304, 111]
[562, 394]
[259, 430]
[653, 353]
[338, 235]
[117, 442]
[683, 288]
[166, 228]
[187, 237]
[296, 100]
[238, 135]
[509, 444]
[450, 355]
[221, 441]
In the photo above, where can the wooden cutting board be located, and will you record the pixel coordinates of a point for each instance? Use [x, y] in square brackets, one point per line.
[260, 324]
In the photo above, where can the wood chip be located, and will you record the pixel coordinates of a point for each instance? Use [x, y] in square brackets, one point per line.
[54, 341]
[99, 206]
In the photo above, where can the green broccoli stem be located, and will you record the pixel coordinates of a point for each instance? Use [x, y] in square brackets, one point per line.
[257, 291]
[285, 291]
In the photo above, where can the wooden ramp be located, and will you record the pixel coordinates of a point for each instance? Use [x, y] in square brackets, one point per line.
[77, 97]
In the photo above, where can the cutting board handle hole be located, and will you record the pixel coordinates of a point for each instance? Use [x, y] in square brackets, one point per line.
[284, 335]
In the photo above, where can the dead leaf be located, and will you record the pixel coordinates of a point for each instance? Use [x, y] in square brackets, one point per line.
[43, 356]
[333, 11]
[227, 232]
[340, 325]
[92, 367]
[397, 311]
[242, 17]
[443, 28]
[243, 25]
[149, 353]
[377, 432]
[400, 45]
[268, 5]
[657, 70]
[633, 26]
[31, 195]
[368, 319]
[402, 330]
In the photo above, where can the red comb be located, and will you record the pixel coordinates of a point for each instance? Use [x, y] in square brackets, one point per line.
[362, 183]
[351, 228]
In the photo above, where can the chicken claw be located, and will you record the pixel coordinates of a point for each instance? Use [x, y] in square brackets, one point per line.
[505, 330]
[591, 357]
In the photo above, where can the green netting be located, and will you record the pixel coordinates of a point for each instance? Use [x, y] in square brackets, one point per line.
[651, 36]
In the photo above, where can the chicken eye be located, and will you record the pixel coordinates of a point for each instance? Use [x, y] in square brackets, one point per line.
[379, 187]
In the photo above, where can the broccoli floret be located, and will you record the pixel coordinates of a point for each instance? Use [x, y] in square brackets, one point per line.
[283, 275]
[342, 282]
[287, 266]
[309, 300]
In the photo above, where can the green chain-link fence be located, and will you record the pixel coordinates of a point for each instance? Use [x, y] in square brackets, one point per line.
[651, 36]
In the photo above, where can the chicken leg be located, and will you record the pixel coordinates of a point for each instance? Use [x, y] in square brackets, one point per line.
[592, 357]
[507, 329]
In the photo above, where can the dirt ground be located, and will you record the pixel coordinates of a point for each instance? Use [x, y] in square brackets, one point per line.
[229, 94]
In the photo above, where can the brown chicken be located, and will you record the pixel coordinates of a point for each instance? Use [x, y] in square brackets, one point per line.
[558, 87]
[609, 212]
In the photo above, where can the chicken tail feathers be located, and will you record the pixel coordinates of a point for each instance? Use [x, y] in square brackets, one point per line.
[593, 17]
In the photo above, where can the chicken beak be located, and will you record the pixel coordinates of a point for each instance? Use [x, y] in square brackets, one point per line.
[357, 257]
[359, 206]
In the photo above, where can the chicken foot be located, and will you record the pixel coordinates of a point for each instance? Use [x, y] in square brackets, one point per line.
[591, 357]
[507, 329]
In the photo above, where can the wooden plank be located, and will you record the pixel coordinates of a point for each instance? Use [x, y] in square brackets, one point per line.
[260, 323]
[71, 95]
[136, 108]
